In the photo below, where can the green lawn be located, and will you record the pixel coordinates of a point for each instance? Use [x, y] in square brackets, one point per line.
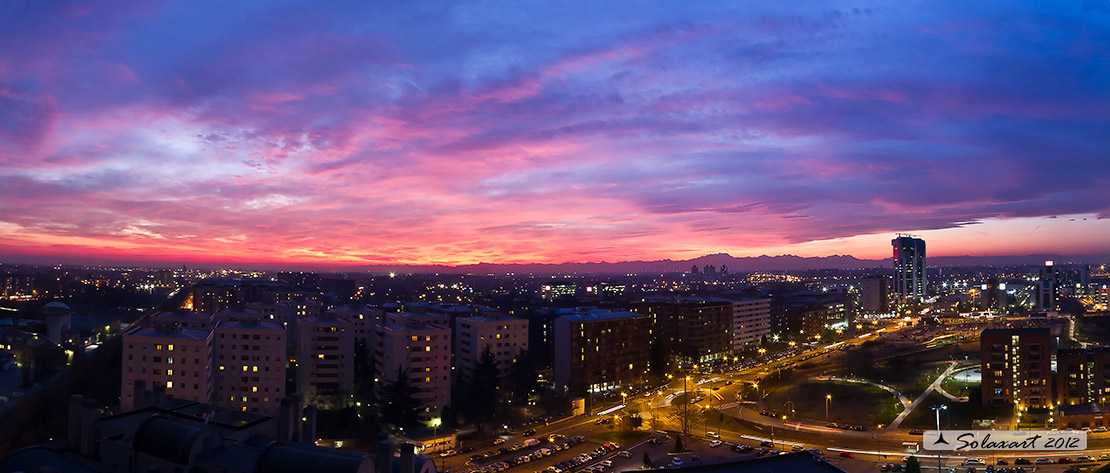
[851, 402]
[957, 387]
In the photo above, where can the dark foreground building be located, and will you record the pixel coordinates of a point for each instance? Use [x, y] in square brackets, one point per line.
[176, 435]
[798, 462]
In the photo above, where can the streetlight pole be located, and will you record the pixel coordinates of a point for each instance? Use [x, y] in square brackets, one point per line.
[685, 413]
[938, 408]
[828, 398]
[435, 432]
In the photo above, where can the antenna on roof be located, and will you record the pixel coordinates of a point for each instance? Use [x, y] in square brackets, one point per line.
[906, 235]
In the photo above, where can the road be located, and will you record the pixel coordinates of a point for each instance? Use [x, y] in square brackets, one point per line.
[870, 448]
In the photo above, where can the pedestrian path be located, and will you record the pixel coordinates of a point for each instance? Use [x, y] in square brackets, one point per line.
[924, 394]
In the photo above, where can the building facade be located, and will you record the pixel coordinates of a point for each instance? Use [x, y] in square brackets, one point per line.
[1083, 376]
[168, 356]
[505, 337]
[1017, 366]
[692, 331]
[249, 364]
[909, 268]
[325, 359]
[598, 350]
[421, 352]
[751, 321]
[875, 295]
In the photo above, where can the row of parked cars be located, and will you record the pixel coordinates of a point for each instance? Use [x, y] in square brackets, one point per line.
[530, 457]
[574, 463]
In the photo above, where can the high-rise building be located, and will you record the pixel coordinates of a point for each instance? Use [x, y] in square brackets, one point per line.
[178, 359]
[1016, 366]
[249, 363]
[325, 358]
[1083, 376]
[558, 289]
[422, 352]
[1048, 287]
[600, 350]
[751, 321]
[875, 295]
[692, 330]
[505, 337]
[909, 268]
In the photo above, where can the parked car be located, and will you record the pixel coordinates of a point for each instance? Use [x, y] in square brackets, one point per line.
[715, 444]
[847, 454]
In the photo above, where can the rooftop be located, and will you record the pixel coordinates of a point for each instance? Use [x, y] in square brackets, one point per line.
[599, 314]
[798, 462]
[171, 333]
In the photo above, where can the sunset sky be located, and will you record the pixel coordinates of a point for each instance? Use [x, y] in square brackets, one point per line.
[517, 131]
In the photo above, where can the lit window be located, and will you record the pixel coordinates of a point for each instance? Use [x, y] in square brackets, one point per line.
[171, 347]
[169, 384]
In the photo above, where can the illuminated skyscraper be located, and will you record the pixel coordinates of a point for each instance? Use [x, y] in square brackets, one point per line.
[909, 268]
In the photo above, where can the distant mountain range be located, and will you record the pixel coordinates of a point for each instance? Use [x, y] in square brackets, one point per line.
[735, 264]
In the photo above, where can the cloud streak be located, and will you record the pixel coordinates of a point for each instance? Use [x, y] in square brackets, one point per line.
[460, 133]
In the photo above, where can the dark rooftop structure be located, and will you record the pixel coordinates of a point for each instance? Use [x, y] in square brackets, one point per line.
[170, 435]
[797, 462]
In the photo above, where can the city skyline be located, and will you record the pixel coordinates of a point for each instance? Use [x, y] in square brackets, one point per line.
[465, 133]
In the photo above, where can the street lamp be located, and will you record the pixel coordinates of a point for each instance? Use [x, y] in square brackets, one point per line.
[435, 432]
[938, 408]
[828, 398]
[685, 413]
[879, 447]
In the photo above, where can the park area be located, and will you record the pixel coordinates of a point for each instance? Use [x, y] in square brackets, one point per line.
[857, 385]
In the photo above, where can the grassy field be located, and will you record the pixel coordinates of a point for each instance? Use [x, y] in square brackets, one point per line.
[851, 402]
[958, 387]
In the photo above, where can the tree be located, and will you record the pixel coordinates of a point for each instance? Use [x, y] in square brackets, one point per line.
[678, 447]
[364, 378]
[399, 406]
[522, 376]
[647, 462]
[912, 465]
[483, 395]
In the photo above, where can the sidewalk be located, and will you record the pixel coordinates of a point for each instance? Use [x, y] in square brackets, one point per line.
[934, 386]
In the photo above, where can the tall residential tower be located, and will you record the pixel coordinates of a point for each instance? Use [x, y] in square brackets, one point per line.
[909, 268]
